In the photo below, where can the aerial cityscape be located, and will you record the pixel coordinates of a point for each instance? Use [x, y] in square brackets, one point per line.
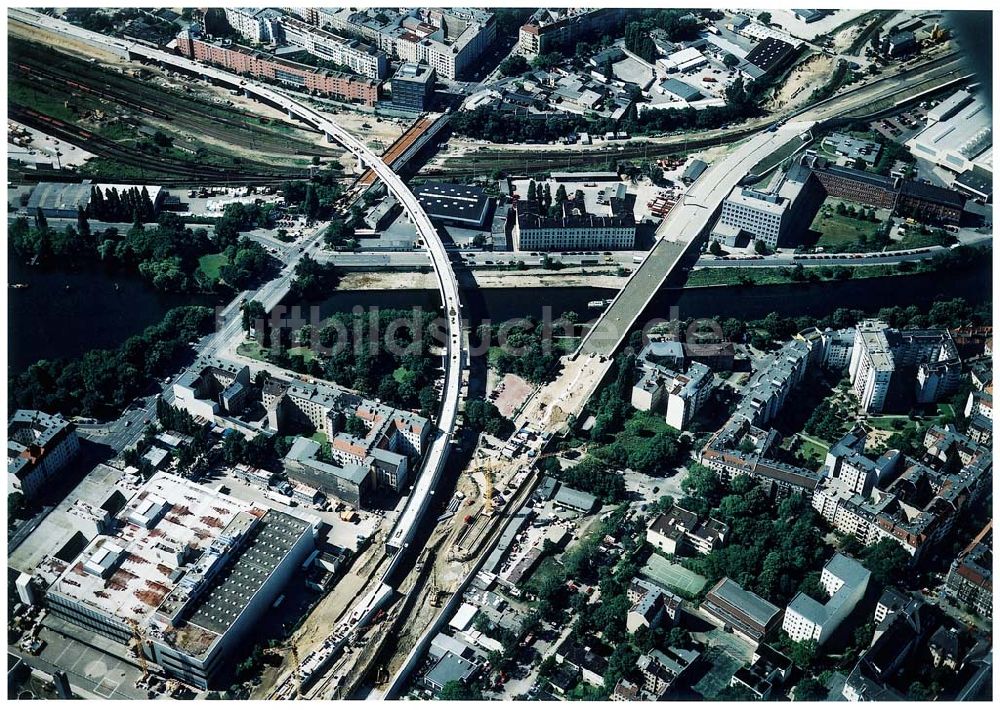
[499, 353]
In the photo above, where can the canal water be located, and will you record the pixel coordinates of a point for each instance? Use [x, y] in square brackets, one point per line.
[64, 313]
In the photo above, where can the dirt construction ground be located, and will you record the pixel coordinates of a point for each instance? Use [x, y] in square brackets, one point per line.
[807, 76]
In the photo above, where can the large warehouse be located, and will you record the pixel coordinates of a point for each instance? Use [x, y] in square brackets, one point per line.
[963, 137]
[188, 569]
[60, 199]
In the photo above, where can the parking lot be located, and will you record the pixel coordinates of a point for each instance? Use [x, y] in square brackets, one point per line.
[91, 672]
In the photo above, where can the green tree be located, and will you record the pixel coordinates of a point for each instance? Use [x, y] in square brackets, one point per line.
[457, 690]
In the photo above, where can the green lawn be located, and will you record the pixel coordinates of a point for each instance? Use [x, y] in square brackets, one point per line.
[839, 231]
[210, 264]
[307, 354]
[812, 450]
[319, 437]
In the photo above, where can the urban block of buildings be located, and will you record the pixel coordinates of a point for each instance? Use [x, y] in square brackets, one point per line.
[845, 581]
[884, 358]
[665, 384]
[915, 503]
[450, 40]
[39, 447]
[356, 467]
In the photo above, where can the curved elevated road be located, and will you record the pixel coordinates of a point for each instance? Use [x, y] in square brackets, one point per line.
[455, 357]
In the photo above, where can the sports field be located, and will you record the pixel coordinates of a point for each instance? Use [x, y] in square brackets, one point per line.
[673, 576]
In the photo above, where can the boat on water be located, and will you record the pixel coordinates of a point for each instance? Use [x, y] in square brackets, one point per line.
[19, 285]
[599, 304]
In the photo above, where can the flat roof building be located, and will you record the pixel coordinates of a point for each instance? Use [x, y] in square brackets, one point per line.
[194, 569]
[413, 87]
[845, 581]
[462, 205]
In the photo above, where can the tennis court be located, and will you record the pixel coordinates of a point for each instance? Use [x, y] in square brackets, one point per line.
[673, 576]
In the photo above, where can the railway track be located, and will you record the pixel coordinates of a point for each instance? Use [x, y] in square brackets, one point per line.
[529, 161]
[105, 148]
[182, 112]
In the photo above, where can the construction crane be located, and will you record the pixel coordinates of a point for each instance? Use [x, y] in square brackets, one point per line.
[297, 670]
[139, 648]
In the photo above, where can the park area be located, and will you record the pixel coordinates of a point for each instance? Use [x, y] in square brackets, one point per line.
[673, 576]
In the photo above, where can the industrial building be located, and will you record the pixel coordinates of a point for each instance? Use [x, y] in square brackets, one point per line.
[63, 199]
[413, 87]
[451, 203]
[845, 581]
[183, 571]
[39, 446]
[959, 135]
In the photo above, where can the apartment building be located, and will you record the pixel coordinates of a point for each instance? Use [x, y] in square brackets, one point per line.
[359, 57]
[679, 392]
[259, 25]
[39, 447]
[249, 62]
[880, 352]
[679, 531]
[970, 578]
[845, 581]
[872, 365]
[555, 28]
